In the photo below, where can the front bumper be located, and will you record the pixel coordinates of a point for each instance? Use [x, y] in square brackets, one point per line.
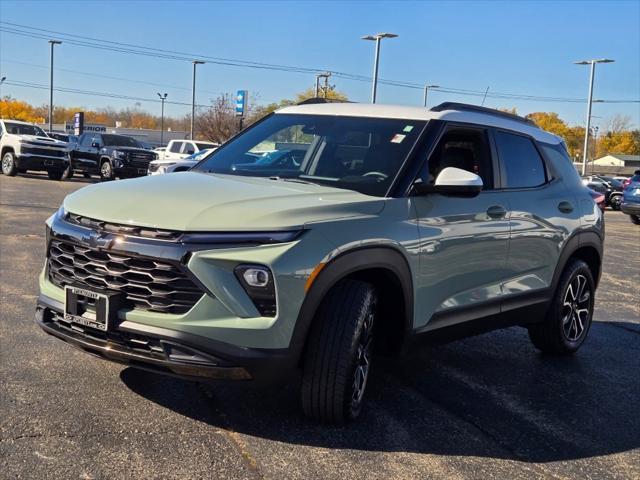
[41, 162]
[169, 352]
[129, 171]
[630, 208]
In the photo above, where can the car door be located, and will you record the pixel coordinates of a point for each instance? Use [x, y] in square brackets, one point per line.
[543, 214]
[463, 240]
[189, 148]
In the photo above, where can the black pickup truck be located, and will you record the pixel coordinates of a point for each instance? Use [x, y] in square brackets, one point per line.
[110, 156]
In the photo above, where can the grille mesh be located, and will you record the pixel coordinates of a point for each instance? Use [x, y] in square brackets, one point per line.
[147, 284]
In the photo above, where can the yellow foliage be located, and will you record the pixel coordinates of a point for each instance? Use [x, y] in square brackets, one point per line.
[18, 110]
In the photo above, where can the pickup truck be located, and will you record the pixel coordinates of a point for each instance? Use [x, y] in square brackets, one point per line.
[110, 156]
[178, 149]
[24, 146]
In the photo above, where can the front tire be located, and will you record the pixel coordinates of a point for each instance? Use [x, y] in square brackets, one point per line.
[635, 219]
[67, 173]
[568, 320]
[55, 174]
[338, 355]
[106, 171]
[9, 166]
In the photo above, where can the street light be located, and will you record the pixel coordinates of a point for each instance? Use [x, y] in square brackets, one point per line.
[193, 97]
[426, 90]
[377, 38]
[589, 104]
[52, 43]
[162, 99]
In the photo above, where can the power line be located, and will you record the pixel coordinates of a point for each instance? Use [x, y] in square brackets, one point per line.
[182, 56]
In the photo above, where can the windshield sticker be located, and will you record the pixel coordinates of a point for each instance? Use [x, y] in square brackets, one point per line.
[398, 138]
[408, 128]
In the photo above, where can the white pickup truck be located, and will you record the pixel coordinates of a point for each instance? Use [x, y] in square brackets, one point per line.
[24, 146]
[178, 149]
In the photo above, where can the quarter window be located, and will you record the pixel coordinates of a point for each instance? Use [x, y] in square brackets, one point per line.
[522, 164]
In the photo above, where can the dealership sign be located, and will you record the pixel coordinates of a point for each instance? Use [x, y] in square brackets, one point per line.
[241, 103]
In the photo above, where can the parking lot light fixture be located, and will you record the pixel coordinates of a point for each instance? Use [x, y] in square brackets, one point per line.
[193, 98]
[162, 99]
[589, 104]
[52, 43]
[426, 91]
[377, 38]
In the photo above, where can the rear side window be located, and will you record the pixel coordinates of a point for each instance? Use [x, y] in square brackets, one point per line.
[521, 161]
[175, 147]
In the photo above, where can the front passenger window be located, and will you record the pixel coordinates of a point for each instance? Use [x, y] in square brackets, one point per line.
[464, 148]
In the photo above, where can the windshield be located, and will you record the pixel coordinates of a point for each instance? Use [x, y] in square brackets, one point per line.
[120, 141]
[361, 154]
[22, 129]
[204, 146]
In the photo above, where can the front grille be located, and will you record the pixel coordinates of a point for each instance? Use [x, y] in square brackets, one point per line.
[147, 283]
[117, 228]
[48, 152]
[140, 159]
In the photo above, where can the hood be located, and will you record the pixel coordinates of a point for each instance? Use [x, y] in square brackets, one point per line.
[194, 201]
[173, 161]
[127, 149]
[39, 139]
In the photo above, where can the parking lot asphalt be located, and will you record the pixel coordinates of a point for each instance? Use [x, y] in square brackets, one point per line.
[485, 407]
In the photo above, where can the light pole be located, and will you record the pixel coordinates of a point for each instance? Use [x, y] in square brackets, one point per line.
[52, 43]
[326, 76]
[193, 97]
[162, 99]
[589, 103]
[377, 37]
[426, 90]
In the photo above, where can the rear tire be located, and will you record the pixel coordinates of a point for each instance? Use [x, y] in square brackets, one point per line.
[338, 355]
[635, 219]
[568, 319]
[9, 166]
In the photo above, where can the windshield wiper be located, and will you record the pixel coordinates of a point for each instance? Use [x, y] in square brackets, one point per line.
[291, 179]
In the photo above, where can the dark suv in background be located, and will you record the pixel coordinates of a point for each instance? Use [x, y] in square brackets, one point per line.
[110, 156]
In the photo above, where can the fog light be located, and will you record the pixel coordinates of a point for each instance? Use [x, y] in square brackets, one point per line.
[256, 277]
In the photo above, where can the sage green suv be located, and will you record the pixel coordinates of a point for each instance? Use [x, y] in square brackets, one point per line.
[323, 236]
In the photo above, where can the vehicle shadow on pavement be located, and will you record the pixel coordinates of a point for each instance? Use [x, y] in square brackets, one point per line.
[77, 178]
[488, 396]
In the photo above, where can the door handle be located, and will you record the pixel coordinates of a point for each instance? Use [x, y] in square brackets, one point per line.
[497, 211]
[565, 207]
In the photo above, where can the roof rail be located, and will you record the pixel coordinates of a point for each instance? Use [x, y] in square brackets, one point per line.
[464, 107]
[311, 101]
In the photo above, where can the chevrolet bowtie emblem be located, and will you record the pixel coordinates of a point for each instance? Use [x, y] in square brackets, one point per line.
[97, 240]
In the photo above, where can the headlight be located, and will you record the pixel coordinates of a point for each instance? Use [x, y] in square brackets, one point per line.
[257, 281]
[636, 192]
[119, 154]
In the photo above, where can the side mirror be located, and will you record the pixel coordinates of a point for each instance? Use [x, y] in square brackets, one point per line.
[451, 181]
[95, 144]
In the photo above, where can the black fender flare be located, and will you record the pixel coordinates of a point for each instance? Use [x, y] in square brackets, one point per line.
[343, 265]
[577, 241]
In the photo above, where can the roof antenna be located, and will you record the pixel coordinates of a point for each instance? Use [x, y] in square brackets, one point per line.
[485, 96]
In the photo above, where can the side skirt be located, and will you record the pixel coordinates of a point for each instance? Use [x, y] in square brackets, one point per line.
[517, 310]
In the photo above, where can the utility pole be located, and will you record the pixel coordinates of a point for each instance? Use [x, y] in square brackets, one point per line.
[377, 38]
[585, 151]
[52, 43]
[162, 99]
[426, 91]
[193, 98]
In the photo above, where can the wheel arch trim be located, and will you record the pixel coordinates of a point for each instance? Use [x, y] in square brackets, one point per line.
[341, 266]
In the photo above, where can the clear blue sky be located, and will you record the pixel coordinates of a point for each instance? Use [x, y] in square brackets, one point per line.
[514, 47]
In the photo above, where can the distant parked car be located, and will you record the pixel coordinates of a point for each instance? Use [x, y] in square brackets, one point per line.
[612, 189]
[182, 165]
[178, 149]
[599, 199]
[631, 200]
[110, 156]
